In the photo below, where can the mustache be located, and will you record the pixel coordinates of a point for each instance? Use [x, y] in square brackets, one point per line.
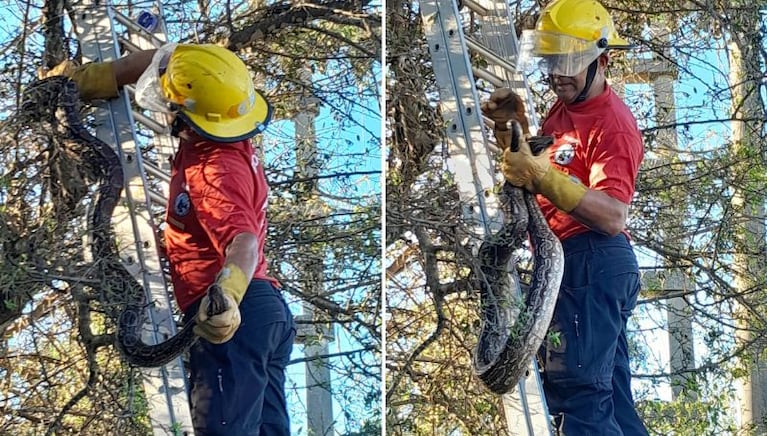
[552, 82]
[559, 80]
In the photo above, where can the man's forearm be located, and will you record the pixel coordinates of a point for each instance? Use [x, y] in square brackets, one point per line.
[129, 68]
[243, 252]
[601, 212]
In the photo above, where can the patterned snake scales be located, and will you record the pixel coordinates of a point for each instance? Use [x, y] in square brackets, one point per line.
[58, 97]
[512, 330]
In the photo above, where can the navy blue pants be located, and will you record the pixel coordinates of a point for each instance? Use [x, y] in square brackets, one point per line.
[586, 376]
[238, 387]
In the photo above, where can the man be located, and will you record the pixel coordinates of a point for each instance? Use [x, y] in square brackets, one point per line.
[584, 183]
[216, 227]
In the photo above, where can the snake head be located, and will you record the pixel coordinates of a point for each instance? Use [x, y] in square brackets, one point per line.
[516, 135]
[216, 301]
[539, 143]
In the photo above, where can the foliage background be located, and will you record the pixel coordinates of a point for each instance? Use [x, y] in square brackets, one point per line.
[58, 370]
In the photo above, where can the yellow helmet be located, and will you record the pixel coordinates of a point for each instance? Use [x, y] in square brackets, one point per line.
[586, 20]
[210, 89]
[569, 35]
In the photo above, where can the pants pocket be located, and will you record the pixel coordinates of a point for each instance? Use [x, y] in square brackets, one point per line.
[563, 350]
[223, 395]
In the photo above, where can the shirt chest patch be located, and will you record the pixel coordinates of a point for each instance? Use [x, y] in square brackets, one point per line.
[564, 154]
[182, 205]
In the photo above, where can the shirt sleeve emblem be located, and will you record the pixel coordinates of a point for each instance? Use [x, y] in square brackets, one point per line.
[182, 205]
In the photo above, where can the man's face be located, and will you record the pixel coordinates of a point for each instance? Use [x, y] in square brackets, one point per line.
[568, 88]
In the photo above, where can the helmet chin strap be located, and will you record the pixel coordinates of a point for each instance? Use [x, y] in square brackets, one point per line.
[177, 125]
[590, 74]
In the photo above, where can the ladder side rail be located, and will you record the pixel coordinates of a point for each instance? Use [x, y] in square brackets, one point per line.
[162, 384]
[138, 198]
[471, 164]
[165, 387]
[168, 385]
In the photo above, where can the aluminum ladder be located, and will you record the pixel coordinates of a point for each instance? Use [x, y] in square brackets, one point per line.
[491, 43]
[104, 32]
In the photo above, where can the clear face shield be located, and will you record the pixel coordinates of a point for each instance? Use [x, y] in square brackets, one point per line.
[149, 93]
[557, 54]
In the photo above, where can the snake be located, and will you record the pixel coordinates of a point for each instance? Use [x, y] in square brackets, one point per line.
[515, 323]
[57, 100]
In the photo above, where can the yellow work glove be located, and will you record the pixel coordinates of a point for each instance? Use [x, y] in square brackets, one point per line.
[504, 105]
[535, 173]
[94, 80]
[220, 328]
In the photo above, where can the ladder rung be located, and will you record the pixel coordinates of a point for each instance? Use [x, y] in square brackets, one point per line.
[129, 45]
[127, 22]
[156, 198]
[517, 86]
[489, 55]
[490, 77]
[491, 143]
[150, 123]
[479, 9]
[156, 171]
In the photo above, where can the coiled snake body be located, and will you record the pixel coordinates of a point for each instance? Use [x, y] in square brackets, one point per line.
[57, 97]
[512, 329]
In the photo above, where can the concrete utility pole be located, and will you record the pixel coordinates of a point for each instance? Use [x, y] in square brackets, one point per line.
[749, 263]
[664, 281]
[314, 332]
[661, 75]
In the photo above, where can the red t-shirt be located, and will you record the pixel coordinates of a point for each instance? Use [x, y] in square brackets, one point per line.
[598, 142]
[217, 191]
